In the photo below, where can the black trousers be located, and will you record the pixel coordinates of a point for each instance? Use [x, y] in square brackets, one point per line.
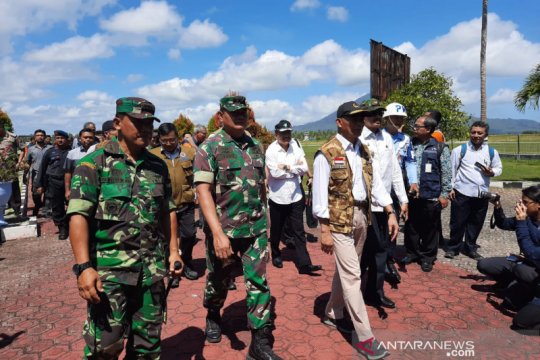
[186, 231]
[15, 201]
[294, 214]
[57, 198]
[505, 271]
[36, 198]
[422, 229]
[467, 215]
[375, 254]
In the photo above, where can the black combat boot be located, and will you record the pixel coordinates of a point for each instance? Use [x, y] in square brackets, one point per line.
[261, 345]
[63, 232]
[213, 326]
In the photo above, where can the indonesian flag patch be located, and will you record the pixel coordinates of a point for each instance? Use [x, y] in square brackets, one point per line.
[339, 162]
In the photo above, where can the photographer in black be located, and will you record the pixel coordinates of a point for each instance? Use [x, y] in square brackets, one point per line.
[524, 269]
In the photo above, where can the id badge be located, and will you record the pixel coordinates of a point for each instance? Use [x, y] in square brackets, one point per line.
[428, 168]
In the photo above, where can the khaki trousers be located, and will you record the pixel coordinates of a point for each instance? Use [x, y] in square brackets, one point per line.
[346, 285]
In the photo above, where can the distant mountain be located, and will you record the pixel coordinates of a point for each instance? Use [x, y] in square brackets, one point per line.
[510, 126]
[496, 126]
[326, 123]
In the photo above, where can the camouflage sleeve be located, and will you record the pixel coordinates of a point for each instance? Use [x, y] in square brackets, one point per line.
[204, 166]
[84, 189]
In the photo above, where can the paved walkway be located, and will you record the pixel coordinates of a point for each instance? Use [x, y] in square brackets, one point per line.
[41, 313]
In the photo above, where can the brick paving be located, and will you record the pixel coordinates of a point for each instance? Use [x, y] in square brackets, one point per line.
[41, 313]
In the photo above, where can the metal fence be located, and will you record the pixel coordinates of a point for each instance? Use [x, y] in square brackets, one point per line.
[524, 145]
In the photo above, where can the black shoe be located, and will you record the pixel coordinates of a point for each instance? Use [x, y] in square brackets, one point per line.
[342, 325]
[426, 266]
[310, 238]
[386, 302]
[231, 285]
[379, 300]
[63, 233]
[190, 274]
[277, 262]
[308, 269]
[261, 345]
[408, 259]
[450, 254]
[473, 255]
[213, 326]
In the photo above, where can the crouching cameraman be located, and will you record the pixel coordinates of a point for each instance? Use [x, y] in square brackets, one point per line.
[523, 268]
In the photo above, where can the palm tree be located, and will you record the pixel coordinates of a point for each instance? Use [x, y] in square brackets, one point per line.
[483, 44]
[530, 92]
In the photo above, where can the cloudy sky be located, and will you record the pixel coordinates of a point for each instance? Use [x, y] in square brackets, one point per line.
[63, 62]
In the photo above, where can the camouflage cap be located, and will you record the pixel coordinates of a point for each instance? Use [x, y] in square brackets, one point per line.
[233, 103]
[136, 108]
[283, 125]
[372, 105]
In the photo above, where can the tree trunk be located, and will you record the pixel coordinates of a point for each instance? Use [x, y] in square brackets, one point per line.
[483, 44]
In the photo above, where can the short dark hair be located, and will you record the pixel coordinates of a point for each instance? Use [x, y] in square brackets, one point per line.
[481, 124]
[166, 128]
[40, 131]
[86, 130]
[430, 123]
[88, 123]
[435, 115]
[532, 192]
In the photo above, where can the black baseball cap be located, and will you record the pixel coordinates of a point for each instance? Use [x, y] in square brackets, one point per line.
[283, 125]
[348, 108]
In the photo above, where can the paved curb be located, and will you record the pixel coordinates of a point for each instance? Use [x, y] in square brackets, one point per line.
[513, 184]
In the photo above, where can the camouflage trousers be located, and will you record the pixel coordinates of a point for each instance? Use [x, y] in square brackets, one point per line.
[254, 256]
[125, 311]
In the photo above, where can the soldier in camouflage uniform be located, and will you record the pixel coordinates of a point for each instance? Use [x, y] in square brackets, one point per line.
[121, 215]
[229, 175]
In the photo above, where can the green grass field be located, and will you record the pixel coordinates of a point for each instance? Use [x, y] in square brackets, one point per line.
[513, 170]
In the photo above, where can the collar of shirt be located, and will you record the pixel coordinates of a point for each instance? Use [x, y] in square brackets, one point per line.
[471, 146]
[82, 149]
[399, 136]
[347, 145]
[171, 155]
[368, 134]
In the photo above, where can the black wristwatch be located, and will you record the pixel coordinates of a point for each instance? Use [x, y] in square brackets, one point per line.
[388, 213]
[79, 268]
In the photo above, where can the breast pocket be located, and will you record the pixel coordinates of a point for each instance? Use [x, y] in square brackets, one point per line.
[114, 202]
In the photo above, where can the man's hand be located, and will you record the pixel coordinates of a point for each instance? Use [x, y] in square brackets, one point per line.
[521, 211]
[90, 286]
[283, 167]
[452, 195]
[327, 243]
[309, 182]
[488, 171]
[444, 202]
[67, 194]
[404, 210]
[393, 227]
[222, 246]
[39, 190]
[414, 189]
[174, 257]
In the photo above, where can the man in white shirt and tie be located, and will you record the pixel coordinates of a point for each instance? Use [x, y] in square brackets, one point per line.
[286, 164]
[344, 184]
[375, 254]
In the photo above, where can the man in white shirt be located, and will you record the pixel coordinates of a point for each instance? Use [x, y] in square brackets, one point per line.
[344, 184]
[375, 254]
[473, 164]
[286, 164]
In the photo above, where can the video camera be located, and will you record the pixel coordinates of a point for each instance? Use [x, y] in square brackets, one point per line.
[492, 197]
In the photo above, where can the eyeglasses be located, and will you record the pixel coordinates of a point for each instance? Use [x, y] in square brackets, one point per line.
[168, 141]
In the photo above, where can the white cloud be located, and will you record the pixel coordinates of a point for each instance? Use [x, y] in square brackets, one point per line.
[74, 49]
[174, 54]
[201, 34]
[93, 99]
[503, 96]
[23, 17]
[272, 70]
[337, 13]
[133, 78]
[300, 5]
[150, 18]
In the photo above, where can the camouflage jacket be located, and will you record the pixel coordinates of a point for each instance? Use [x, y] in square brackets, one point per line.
[123, 202]
[235, 169]
[9, 145]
